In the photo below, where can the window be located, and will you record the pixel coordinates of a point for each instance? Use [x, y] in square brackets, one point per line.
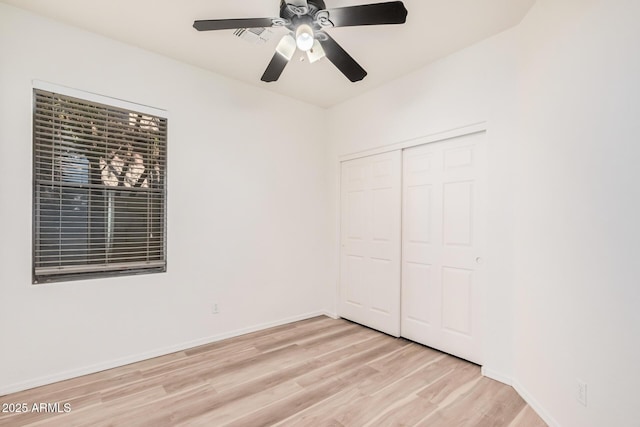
[99, 178]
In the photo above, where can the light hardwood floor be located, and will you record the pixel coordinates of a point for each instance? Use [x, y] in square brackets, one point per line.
[318, 372]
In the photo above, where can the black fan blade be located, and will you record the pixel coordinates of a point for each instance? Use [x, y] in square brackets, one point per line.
[342, 60]
[232, 24]
[392, 12]
[284, 52]
[275, 68]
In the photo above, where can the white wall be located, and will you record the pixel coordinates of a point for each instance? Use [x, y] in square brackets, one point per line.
[577, 210]
[561, 96]
[246, 210]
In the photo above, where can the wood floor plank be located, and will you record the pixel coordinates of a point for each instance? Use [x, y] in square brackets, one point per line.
[81, 402]
[462, 374]
[341, 348]
[246, 390]
[407, 412]
[487, 403]
[317, 372]
[299, 336]
[143, 410]
[232, 411]
[527, 418]
[358, 405]
[92, 415]
[217, 357]
[398, 365]
[255, 337]
[310, 395]
[338, 368]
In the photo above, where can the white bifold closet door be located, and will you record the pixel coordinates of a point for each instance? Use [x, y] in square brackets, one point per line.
[370, 241]
[442, 240]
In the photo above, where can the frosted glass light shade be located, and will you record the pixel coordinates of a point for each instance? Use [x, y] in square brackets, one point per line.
[287, 47]
[304, 37]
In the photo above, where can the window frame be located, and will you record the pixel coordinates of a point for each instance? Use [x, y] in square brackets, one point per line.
[110, 270]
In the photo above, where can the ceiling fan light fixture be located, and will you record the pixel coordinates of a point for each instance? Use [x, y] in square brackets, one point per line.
[301, 18]
[304, 37]
[316, 53]
[287, 47]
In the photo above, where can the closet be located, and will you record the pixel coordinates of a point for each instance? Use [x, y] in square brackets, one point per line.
[412, 238]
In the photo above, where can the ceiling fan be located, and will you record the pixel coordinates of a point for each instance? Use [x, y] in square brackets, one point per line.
[307, 21]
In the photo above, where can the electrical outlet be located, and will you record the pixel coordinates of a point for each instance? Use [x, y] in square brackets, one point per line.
[214, 309]
[582, 393]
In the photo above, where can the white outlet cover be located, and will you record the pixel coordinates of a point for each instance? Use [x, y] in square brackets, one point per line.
[582, 393]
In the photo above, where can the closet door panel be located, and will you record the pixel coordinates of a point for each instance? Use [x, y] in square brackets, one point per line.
[369, 290]
[442, 245]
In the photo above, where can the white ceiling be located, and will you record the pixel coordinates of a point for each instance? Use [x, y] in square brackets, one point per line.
[434, 29]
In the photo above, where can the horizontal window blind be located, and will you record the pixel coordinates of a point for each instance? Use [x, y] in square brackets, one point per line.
[99, 189]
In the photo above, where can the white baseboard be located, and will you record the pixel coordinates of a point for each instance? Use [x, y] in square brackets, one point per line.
[487, 372]
[535, 405]
[103, 366]
[331, 314]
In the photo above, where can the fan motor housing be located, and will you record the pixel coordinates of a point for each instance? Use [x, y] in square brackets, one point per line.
[287, 10]
[319, 4]
[293, 17]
